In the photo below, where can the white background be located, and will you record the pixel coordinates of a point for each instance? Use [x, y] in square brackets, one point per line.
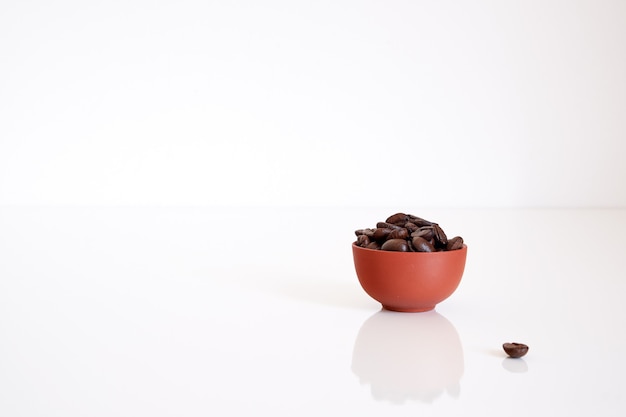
[504, 121]
[420, 103]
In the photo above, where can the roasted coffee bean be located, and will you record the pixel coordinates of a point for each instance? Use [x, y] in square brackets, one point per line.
[362, 240]
[418, 235]
[422, 245]
[419, 221]
[373, 245]
[397, 245]
[399, 233]
[381, 234]
[425, 232]
[399, 219]
[386, 225]
[366, 232]
[441, 240]
[455, 243]
[515, 350]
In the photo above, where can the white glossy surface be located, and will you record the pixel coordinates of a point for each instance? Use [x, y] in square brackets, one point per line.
[277, 102]
[195, 312]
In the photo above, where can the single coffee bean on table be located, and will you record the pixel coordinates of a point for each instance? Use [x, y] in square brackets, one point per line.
[515, 350]
[402, 232]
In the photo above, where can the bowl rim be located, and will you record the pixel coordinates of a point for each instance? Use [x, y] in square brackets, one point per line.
[354, 245]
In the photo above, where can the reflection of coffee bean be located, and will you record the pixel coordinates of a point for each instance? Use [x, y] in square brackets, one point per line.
[419, 235]
[515, 350]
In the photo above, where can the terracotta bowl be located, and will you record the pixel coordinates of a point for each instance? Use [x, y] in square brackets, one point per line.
[409, 281]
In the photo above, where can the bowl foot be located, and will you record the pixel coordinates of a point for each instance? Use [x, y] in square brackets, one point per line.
[408, 310]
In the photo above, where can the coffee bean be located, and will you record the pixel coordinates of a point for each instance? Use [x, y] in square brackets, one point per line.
[419, 221]
[441, 240]
[381, 234]
[455, 243]
[386, 225]
[426, 232]
[408, 233]
[422, 245]
[397, 245]
[366, 232]
[362, 240]
[373, 245]
[515, 350]
[399, 233]
[399, 219]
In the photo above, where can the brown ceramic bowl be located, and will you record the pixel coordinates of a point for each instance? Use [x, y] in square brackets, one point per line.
[409, 281]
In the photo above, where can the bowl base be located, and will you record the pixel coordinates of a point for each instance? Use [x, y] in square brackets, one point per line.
[408, 310]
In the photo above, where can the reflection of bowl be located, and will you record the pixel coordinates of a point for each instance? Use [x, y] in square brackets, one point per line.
[408, 356]
[409, 281]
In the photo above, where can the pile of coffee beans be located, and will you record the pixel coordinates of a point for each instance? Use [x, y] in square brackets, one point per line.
[407, 233]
